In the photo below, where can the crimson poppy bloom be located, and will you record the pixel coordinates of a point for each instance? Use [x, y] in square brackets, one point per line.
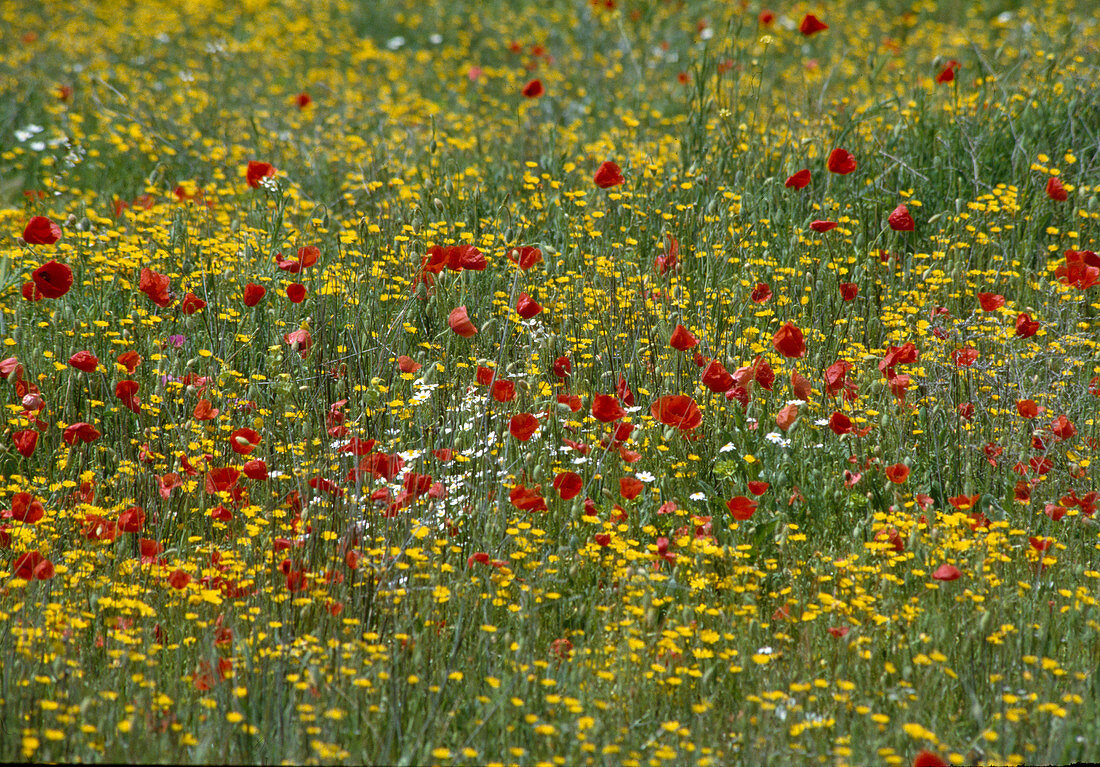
[562, 367]
[41, 231]
[947, 74]
[1025, 326]
[897, 355]
[243, 441]
[257, 171]
[758, 488]
[990, 301]
[178, 579]
[823, 226]
[1080, 270]
[608, 175]
[606, 408]
[947, 573]
[848, 291]
[132, 520]
[840, 423]
[303, 100]
[682, 339]
[155, 286]
[811, 25]
[523, 426]
[527, 498]
[407, 364]
[126, 391]
[25, 442]
[525, 256]
[1055, 190]
[527, 307]
[455, 258]
[82, 432]
[761, 293]
[741, 507]
[503, 390]
[785, 418]
[677, 410]
[669, 261]
[717, 378]
[307, 257]
[965, 357]
[32, 566]
[191, 304]
[533, 89]
[630, 487]
[52, 279]
[841, 162]
[900, 220]
[836, 377]
[799, 180]
[253, 294]
[296, 292]
[800, 386]
[255, 469]
[789, 342]
[25, 508]
[85, 361]
[897, 473]
[459, 321]
[1063, 428]
[568, 484]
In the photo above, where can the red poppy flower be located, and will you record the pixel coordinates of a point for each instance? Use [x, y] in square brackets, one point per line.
[606, 408]
[669, 261]
[258, 171]
[205, 411]
[25, 442]
[717, 378]
[741, 507]
[841, 162]
[503, 390]
[1055, 190]
[562, 367]
[800, 386]
[155, 286]
[253, 294]
[1063, 428]
[525, 256]
[52, 279]
[533, 89]
[799, 180]
[243, 441]
[129, 360]
[303, 100]
[523, 426]
[836, 377]
[1025, 326]
[964, 502]
[527, 498]
[1080, 270]
[25, 508]
[761, 293]
[191, 304]
[296, 292]
[568, 484]
[454, 257]
[789, 342]
[900, 220]
[83, 432]
[785, 418]
[823, 226]
[897, 355]
[407, 364]
[132, 520]
[758, 488]
[964, 357]
[947, 74]
[608, 175]
[928, 759]
[682, 339]
[990, 301]
[85, 361]
[459, 321]
[966, 410]
[766, 18]
[848, 291]
[126, 391]
[840, 423]
[527, 307]
[947, 573]
[33, 566]
[179, 579]
[677, 410]
[811, 25]
[630, 487]
[41, 231]
[255, 469]
[307, 257]
[897, 473]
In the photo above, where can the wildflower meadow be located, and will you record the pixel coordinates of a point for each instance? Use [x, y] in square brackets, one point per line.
[572, 382]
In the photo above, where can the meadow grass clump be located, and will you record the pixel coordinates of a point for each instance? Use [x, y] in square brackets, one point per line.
[553, 383]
